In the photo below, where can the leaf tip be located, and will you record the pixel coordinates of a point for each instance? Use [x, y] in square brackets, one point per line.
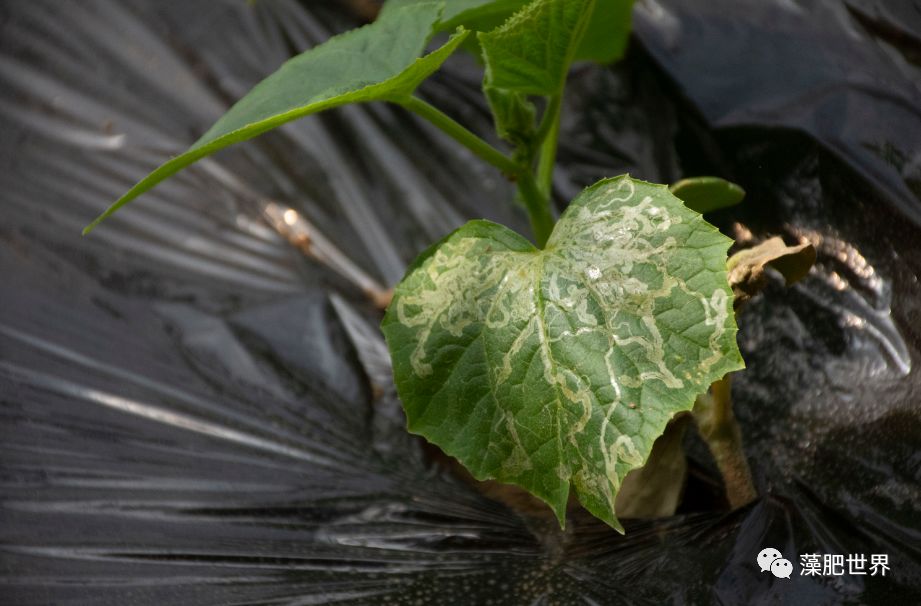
[86, 230]
[560, 513]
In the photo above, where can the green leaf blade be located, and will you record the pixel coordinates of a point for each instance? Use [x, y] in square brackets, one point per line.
[378, 62]
[531, 52]
[514, 115]
[604, 41]
[559, 368]
[478, 15]
[706, 194]
[608, 32]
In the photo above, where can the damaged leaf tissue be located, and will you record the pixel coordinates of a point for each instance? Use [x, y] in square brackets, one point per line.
[460, 302]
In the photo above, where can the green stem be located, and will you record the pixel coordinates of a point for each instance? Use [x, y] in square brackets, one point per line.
[535, 202]
[550, 118]
[459, 133]
[548, 134]
[721, 432]
[538, 207]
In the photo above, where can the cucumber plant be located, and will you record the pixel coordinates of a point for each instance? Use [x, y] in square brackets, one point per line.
[552, 364]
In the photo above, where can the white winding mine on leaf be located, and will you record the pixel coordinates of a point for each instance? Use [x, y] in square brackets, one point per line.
[560, 367]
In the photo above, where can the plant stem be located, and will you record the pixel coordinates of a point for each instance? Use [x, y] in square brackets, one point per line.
[538, 207]
[548, 134]
[535, 201]
[462, 135]
[718, 427]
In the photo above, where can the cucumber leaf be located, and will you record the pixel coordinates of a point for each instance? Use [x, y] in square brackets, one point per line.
[608, 31]
[706, 194]
[532, 51]
[478, 15]
[378, 62]
[558, 368]
[514, 115]
[604, 41]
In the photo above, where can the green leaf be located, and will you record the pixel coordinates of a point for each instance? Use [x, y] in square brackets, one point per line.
[377, 62]
[604, 41]
[530, 54]
[513, 113]
[706, 194]
[560, 367]
[478, 15]
[608, 31]
[532, 51]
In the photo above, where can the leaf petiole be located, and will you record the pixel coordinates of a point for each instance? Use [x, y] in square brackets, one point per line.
[462, 135]
[720, 430]
[538, 207]
[535, 201]
[548, 135]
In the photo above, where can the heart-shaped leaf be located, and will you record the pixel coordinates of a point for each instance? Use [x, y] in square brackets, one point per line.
[560, 367]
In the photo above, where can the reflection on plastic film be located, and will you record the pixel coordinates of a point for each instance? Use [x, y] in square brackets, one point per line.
[300, 233]
[865, 297]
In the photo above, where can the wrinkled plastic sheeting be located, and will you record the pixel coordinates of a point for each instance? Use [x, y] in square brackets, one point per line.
[194, 413]
[846, 72]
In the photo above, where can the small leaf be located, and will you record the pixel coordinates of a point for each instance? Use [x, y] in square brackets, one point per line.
[478, 15]
[513, 113]
[532, 51]
[604, 41]
[746, 268]
[560, 367]
[706, 194]
[376, 62]
[608, 31]
[529, 54]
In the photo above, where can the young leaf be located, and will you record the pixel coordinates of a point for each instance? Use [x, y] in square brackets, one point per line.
[531, 53]
[513, 113]
[604, 41]
[607, 33]
[706, 194]
[560, 367]
[377, 62]
[478, 15]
